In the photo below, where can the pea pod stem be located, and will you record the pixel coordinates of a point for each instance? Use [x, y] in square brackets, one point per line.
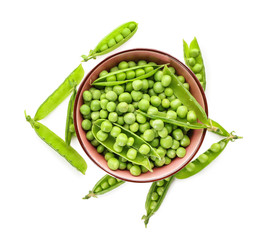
[58, 144]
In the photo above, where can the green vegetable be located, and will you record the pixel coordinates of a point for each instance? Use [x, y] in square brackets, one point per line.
[58, 145]
[113, 40]
[60, 94]
[104, 185]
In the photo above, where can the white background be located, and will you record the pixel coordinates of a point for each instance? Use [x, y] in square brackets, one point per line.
[41, 194]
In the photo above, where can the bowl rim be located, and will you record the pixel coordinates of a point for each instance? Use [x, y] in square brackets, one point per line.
[77, 100]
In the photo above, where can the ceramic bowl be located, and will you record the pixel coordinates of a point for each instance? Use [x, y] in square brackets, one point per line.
[150, 55]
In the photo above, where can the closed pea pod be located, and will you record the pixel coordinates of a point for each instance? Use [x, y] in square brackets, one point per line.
[113, 40]
[58, 145]
[60, 94]
[155, 197]
[106, 184]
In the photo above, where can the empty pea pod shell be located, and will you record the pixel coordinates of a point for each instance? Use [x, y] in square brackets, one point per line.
[185, 97]
[108, 143]
[198, 59]
[59, 145]
[60, 94]
[198, 165]
[103, 82]
[152, 189]
[98, 190]
[104, 42]
[69, 120]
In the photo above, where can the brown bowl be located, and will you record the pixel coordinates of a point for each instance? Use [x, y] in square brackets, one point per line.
[150, 55]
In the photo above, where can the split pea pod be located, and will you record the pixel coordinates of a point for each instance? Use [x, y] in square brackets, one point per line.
[194, 60]
[106, 184]
[205, 159]
[58, 145]
[60, 94]
[113, 40]
[155, 197]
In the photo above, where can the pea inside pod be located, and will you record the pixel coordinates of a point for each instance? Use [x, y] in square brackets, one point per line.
[113, 40]
[106, 184]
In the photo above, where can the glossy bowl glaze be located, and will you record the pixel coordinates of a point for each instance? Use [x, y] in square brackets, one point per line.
[150, 55]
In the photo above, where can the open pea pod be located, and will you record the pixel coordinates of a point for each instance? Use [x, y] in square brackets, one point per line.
[185, 97]
[177, 122]
[60, 94]
[103, 82]
[108, 143]
[194, 60]
[113, 40]
[202, 161]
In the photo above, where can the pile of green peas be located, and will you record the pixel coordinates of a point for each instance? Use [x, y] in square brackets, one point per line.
[118, 104]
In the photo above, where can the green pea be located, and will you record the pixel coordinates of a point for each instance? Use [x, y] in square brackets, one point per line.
[125, 97]
[168, 127]
[175, 104]
[215, 147]
[130, 74]
[103, 104]
[194, 53]
[150, 83]
[182, 111]
[181, 79]
[160, 183]
[190, 167]
[115, 131]
[103, 73]
[131, 64]
[154, 196]
[158, 76]
[163, 133]
[165, 103]
[191, 61]
[167, 160]
[178, 134]
[122, 139]
[106, 126]
[135, 170]
[114, 69]
[141, 118]
[151, 92]
[186, 86]
[197, 68]
[143, 105]
[129, 165]
[111, 42]
[89, 136]
[85, 109]
[139, 72]
[136, 96]
[87, 96]
[168, 92]
[86, 124]
[158, 124]
[102, 136]
[132, 26]
[153, 205]
[129, 118]
[103, 114]
[109, 155]
[191, 116]
[161, 151]
[100, 148]
[141, 62]
[98, 189]
[166, 142]
[121, 159]
[158, 87]
[172, 69]
[119, 38]
[171, 153]
[125, 32]
[122, 107]
[144, 149]
[149, 135]
[130, 141]
[132, 153]
[113, 163]
[113, 117]
[118, 89]
[155, 101]
[112, 181]
[149, 69]
[123, 65]
[166, 80]
[122, 165]
[175, 144]
[134, 127]
[111, 96]
[103, 47]
[181, 152]
[121, 76]
[120, 120]
[146, 96]
[137, 84]
[131, 108]
[95, 116]
[117, 148]
[171, 114]
[95, 105]
[160, 190]
[143, 127]
[203, 158]
[185, 141]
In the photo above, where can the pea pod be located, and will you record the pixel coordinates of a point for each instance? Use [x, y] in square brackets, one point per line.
[185, 97]
[155, 197]
[58, 145]
[108, 143]
[104, 185]
[194, 60]
[69, 121]
[102, 81]
[113, 40]
[60, 94]
[205, 159]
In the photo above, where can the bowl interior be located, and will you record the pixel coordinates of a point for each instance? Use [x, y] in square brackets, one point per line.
[149, 55]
